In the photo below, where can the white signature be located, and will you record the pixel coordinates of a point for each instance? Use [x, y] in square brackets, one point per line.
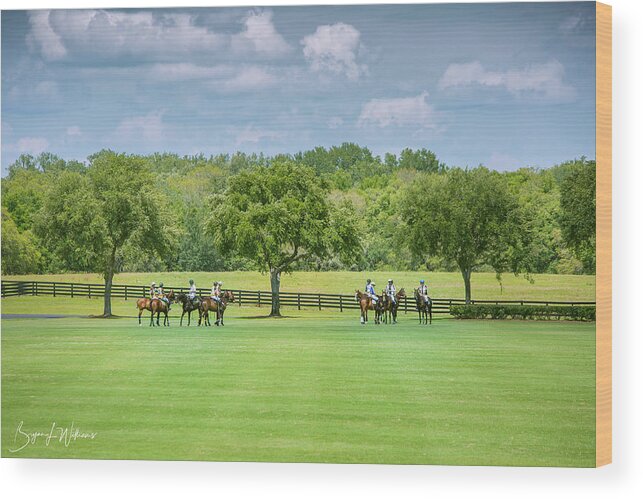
[64, 435]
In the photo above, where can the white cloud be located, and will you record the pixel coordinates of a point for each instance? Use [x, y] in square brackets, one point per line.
[546, 80]
[334, 48]
[253, 135]
[335, 122]
[32, 145]
[110, 34]
[571, 23]
[404, 111]
[248, 79]
[42, 37]
[74, 131]
[259, 35]
[221, 77]
[149, 127]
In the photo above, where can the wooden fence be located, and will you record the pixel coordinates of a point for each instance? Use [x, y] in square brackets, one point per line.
[242, 296]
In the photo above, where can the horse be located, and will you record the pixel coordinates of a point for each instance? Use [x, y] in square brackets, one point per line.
[188, 306]
[424, 308]
[143, 304]
[210, 304]
[390, 306]
[365, 304]
[157, 306]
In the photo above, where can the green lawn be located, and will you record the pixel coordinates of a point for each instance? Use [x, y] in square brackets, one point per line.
[313, 387]
[441, 284]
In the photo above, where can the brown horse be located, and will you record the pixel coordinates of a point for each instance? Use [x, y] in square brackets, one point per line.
[424, 308]
[365, 304]
[158, 306]
[143, 304]
[211, 305]
[390, 307]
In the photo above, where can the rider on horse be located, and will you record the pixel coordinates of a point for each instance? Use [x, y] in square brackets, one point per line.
[160, 294]
[390, 290]
[192, 293]
[370, 290]
[216, 291]
[153, 290]
[423, 290]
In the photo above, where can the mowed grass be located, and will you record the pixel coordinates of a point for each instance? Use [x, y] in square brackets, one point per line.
[314, 387]
[441, 284]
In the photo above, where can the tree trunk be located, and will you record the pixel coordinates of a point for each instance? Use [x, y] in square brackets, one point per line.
[275, 281]
[466, 275]
[109, 278]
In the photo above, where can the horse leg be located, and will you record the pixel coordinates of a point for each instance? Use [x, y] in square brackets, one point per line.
[189, 315]
[181, 321]
[139, 316]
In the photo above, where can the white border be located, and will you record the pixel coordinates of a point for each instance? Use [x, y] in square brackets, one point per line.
[112, 479]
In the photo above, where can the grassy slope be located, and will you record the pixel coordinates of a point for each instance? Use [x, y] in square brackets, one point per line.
[442, 284]
[317, 387]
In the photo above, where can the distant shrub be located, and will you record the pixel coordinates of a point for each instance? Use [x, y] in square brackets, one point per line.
[524, 312]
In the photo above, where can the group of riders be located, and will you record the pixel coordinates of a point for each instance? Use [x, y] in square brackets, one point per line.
[388, 301]
[158, 293]
[160, 301]
[391, 292]
[193, 302]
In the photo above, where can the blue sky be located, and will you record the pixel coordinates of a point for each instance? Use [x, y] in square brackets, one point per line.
[504, 85]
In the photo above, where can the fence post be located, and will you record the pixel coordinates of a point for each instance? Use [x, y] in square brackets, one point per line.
[406, 304]
[89, 287]
[72, 289]
[298, 301]
[259, 293]
[126, 292]
[54, 289]
[341, 305]
[239, 297]
[319, 301]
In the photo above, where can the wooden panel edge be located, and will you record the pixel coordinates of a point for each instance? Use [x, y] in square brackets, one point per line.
[603, 234]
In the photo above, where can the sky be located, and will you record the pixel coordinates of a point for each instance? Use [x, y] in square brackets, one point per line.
[503, 85]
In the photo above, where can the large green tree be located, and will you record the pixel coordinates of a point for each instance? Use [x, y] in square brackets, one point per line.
[87, 218]
[578, 211]
[465, 216]
[20, 253]
[279, 215]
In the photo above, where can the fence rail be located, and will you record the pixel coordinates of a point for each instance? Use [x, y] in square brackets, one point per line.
[242, 296]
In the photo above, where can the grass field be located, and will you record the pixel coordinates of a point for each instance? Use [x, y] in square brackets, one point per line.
[441, 284]
[313, 387]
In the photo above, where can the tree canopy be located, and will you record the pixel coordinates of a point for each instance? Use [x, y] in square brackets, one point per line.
[466, 216]
[279, 215]
[88, 218]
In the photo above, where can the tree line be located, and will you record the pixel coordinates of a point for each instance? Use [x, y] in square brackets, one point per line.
[337, 208]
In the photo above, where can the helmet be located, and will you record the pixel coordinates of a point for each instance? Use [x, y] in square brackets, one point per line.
[368, 281]
[220, 283]
[421, 281]
[161, 285]
[390, 280]
[191, 281]
[153, 284]
[214, 283]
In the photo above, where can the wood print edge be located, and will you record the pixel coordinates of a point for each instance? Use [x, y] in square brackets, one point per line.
[603, 234]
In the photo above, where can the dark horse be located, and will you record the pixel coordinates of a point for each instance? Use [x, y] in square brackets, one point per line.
[189, 306]
[390, 306]
[210, 304]
[424, 308]
[365, 304]
[159, 306]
